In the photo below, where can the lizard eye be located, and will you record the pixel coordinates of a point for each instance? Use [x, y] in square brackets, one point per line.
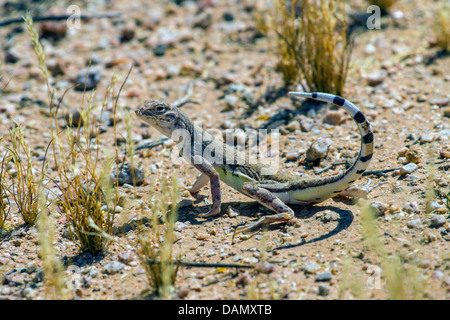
[160, 108]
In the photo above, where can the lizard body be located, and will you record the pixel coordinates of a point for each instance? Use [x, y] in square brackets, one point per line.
[219, 161]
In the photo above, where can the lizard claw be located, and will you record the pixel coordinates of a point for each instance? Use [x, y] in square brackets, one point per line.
[188, 189]
[210, 213]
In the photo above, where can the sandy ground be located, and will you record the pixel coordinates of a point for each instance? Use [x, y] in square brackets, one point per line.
[217, 49]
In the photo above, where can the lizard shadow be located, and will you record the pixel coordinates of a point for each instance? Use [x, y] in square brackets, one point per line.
[343, 222]
[251, 209]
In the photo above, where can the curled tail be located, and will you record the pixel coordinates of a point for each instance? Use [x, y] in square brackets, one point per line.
[330, 186]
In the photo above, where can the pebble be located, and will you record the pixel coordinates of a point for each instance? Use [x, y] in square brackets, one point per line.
[127, 33]
[292, 155]
[426, 138]
[442, 102]
[311, 267]
[203, 20]
[113, 267]
[408, 168]
[126, 176]
[334, 117]
[413, 156]
[412, 207]
[324, 276]
[53, 30]
[379, 207]
[88, 78]
[324, 290]
[414, 223]
[159, 50]
[377, 77]
[306, 124]
[293, 125]
[74, 118]
[228, 16]
[437, 220]
[125, 257]
[231, 100]
[318, 150]
[12, 56]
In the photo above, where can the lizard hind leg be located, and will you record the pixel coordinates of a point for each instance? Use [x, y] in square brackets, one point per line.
[256, 191]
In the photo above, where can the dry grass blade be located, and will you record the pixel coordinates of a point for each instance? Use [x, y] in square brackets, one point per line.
[53, 272]
[5, 206]
[156, 244]
[25, 186]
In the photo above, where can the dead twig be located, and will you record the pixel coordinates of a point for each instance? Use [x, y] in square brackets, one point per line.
[7, 22]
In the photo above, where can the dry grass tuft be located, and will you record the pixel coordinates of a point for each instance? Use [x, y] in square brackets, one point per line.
[26, 187]
[312, 44]
[155, 244]
[5, 205]
[87, 197]
[54, 282]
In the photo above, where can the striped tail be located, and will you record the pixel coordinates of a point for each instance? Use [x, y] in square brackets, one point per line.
[330, 186]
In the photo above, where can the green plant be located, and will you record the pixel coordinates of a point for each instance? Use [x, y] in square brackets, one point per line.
[155, 244]
[312, 46]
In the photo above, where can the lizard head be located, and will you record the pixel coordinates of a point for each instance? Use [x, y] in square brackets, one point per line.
[160, 115]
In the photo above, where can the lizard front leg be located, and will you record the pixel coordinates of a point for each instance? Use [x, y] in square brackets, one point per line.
[211, 174]
[256, 191]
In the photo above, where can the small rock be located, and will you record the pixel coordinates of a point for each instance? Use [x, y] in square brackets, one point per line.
[377, 77]
[125, 257]
[292, 155]
[88, 78]
[228, 16]
[306, 124]
[413, 156]
[231, 100]
[12, 56]
[127, 33]
[293, 125]
[409, 168]
[412, 207]
[379, 207]
[414, 223]
[437, 221]
[74, 118]
[334, 117]
[311, 267]
[318, 150]
[324, 290]
[126, 176]
[113, 267]
[159, 50]
[442, 102]
[324, 276]
[53, 30]
[203, 20]
[426, 138]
